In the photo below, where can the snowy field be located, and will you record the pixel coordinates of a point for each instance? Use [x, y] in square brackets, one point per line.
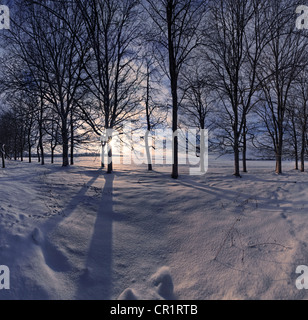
[76, 233]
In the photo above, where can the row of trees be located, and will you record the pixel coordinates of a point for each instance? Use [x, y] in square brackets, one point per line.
[73, 69]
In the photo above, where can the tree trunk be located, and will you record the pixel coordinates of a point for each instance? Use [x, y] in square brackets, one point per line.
[22, 143]
[41, 146]
[65, 147]
[103, 156]
[237, 162]
[279, 151]
[15, 150]
[245, 147]
[202, 151]
[278, 164]
[52, 155]
[174, 86]
[147, 147]
[295, 142]
[175, 150]
[175, 168]
[296, 158]
[38, 154]
[42, 152]
[3, 157]
[41, 120]
[236, 155]
[3, 161]
[72, 153]
[279, 160]
[148, 151]
[303, 149]
[110, 164]
[72, 138]
[30, 152]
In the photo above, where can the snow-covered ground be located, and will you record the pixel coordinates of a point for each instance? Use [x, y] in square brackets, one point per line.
[77, 233]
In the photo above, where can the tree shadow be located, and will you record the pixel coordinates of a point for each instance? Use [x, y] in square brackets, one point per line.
[96, 281]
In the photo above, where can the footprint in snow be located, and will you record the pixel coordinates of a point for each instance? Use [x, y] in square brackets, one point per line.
[54, 258]
[162, 287]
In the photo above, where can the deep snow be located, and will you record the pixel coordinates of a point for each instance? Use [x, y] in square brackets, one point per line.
[77, 233]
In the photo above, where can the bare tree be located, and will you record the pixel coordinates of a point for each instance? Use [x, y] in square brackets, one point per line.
[48, 37]
[297, 116]
[291, 137]
[176, 34]
[233, 44]
[155, 110]
[303, 118]
[281, 63]
[197, 101]
[17, 89]
[112, 30]
[30, 122]
[10, 134]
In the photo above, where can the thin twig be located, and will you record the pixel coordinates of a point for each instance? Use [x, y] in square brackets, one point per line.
[269, 244]
[226, 238]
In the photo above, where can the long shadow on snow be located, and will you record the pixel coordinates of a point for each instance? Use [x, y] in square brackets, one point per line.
[232, 195]
[96, 282]
[53, 255]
